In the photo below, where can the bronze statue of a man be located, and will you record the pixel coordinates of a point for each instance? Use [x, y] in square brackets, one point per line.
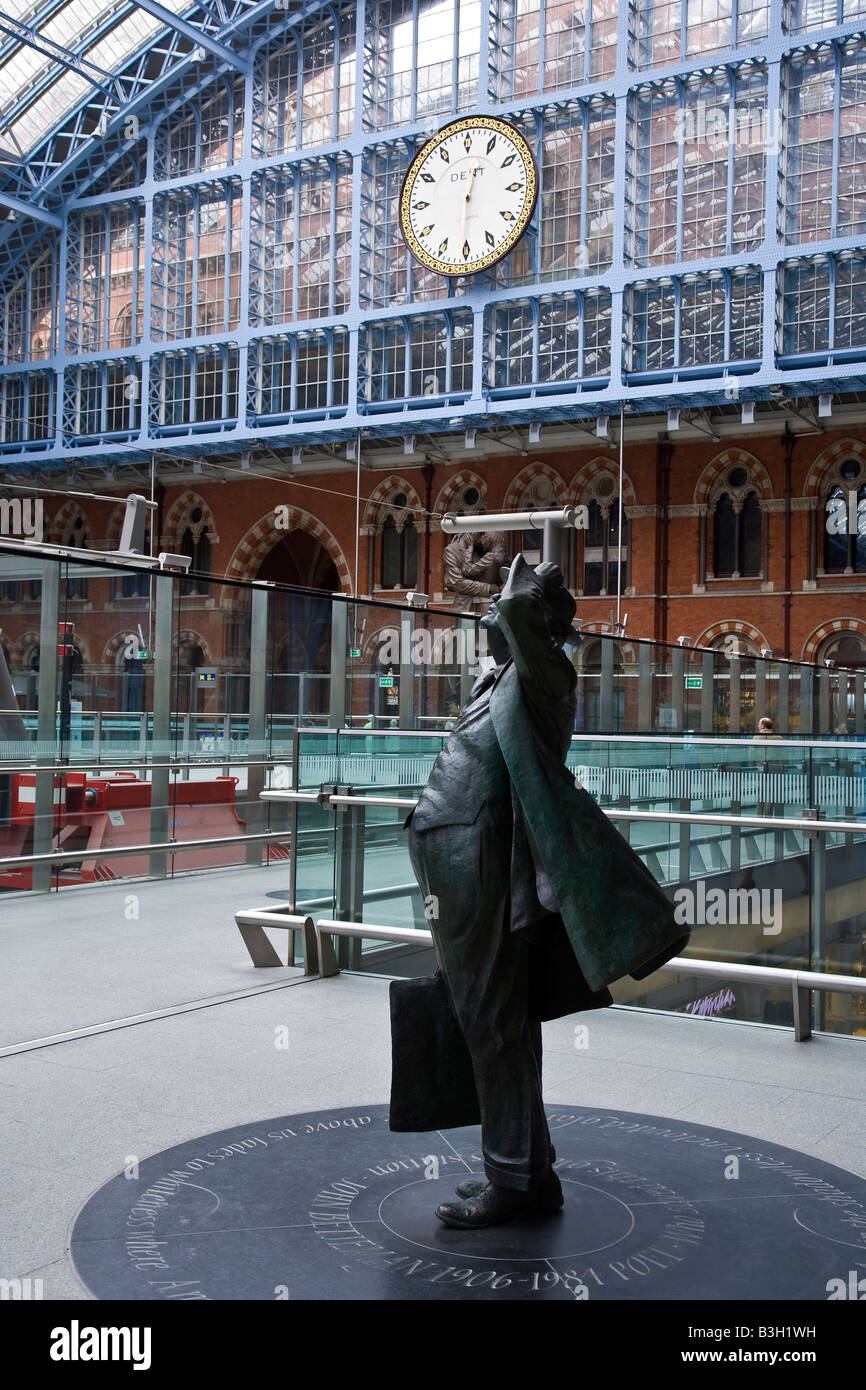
[538, 903]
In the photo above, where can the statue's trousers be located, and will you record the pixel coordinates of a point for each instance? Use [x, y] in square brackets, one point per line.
[467, 868]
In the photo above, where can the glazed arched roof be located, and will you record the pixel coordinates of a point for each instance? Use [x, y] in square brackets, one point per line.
[72, 71]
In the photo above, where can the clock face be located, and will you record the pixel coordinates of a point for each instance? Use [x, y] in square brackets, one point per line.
[468, 196]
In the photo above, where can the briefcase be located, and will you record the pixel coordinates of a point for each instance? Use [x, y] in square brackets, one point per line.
[432, 1081]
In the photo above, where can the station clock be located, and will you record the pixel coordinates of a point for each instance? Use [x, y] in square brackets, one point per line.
[468, 196]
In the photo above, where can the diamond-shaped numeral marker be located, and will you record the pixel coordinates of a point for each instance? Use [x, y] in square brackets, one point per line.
[488, 237]
[509, 216]
[428, 178]
[490, 143]
[509, 159]
[512, 187]
[425, 231]
[467, 141]
[441, 251]
[443, 153]
[466, 250]
[419, 207]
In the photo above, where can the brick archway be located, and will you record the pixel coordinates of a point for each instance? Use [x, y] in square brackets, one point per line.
[261, 538]
[581, 490]
[177, 519]
[521, 481]
[445, 498]
[379, 499]
[114, 645]
[56, 530]
[189, 637]
[30, 638]
[825, 461]
[713, 474]
[830, 629]
[733, 627]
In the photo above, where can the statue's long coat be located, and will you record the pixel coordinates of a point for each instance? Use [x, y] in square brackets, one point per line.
[617, 919]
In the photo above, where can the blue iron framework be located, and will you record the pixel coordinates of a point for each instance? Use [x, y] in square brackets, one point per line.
[201, 254]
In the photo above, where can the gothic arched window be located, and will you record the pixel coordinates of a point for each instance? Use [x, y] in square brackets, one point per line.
[844, 513]
[597, 550]
[399, 551]
[737, 529]
[195, 543]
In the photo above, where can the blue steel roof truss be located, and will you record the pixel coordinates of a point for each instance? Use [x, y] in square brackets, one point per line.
[169, 73]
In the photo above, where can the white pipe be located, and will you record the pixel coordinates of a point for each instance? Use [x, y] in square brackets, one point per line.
[506, 521]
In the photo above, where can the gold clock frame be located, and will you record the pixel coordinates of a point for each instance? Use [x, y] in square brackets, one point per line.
[494, 123]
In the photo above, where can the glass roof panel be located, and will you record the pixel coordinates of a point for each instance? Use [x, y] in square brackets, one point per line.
[69, 27]
[47, 110]
[20, 9]
[17, 73]
[124, 39]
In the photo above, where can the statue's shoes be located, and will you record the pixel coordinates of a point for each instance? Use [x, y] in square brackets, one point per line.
[493, 1206]
[548, 1193]
[471, 1187]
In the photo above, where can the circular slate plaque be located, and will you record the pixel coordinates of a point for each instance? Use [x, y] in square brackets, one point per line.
[332, 1205]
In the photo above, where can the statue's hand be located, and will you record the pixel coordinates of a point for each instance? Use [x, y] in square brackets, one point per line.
[551, 574]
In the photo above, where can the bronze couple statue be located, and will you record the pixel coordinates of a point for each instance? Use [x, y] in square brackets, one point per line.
[536, 904]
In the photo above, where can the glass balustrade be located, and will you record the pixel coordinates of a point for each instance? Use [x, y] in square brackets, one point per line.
[143, 714]
[769, 895]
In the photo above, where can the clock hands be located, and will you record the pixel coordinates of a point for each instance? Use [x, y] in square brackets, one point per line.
[468, 194]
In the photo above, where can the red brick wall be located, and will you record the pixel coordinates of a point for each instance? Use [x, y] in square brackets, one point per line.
[242, 516]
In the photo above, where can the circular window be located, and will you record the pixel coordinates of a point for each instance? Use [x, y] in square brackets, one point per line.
[541, 491]
[737, 477]
[195, 515]
[605, 485]
[850, 470]
[399, 500]
[471, 496]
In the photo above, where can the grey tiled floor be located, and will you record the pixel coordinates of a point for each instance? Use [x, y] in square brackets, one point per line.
[72, 1114]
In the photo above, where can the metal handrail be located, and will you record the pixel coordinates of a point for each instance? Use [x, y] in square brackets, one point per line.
[750, 749]
[612, 812]
[657, 736]
[89, 764]
[73, 856]
[802, 982]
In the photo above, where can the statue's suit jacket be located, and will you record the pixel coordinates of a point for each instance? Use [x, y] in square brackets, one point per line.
[617, 919]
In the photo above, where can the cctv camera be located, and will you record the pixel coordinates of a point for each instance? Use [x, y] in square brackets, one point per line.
[168, 561]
